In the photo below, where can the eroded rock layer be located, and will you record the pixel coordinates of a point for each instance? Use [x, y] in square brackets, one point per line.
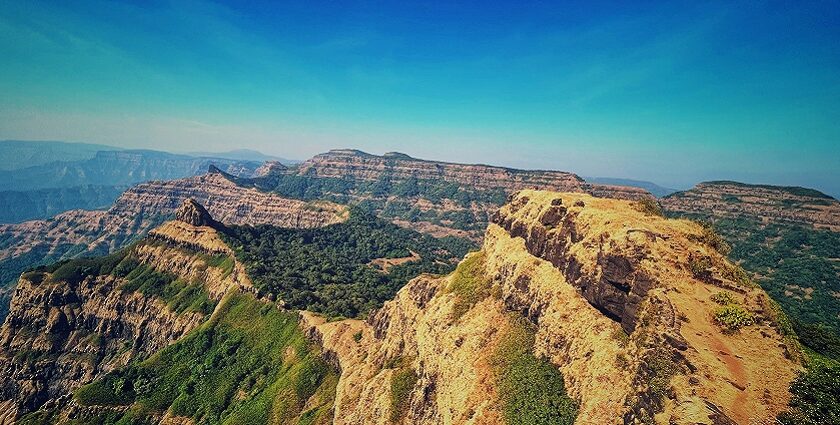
[768, 204]
[69, 325]
[617, 303]
[398, 167]
[144, 206]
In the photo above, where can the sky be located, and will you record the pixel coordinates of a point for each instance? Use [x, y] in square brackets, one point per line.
[674, 93]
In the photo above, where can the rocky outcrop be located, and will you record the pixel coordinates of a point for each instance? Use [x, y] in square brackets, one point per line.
[398, 167]
[61, 334]
[617, 307]
[144, 206]
[767, 204]
[192, 213]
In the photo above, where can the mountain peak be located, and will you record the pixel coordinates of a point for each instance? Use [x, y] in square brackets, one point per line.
[191, 212]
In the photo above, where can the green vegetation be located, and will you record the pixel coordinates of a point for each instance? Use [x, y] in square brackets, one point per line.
[531, 389]
[661, 368]
[469, 284]
[798, 268]
[649, 206]
[391, 199]
[723, 298]
[732, 317]
[250, 364]
[816, 394]
[402, 383]
[179, 295]
[328, 269]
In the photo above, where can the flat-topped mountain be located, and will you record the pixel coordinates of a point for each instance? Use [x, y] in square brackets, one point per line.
[398, 167]
[770, 204]
[141, 208]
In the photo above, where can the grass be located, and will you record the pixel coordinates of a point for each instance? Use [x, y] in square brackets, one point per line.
[402, 383]
[247, 365]
[469, 284]
[179, 295]
[530, 389]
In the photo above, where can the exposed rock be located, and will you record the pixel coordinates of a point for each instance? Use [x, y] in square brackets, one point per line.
[597, 270]
[191, 212]
[60, 335]
[398, 167]
[768, 204]
[142, 207]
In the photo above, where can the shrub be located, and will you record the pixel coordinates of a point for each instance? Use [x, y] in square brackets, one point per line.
[714, 240]
[469, 284]
[649, 206]
[733, 317]
[723, 298]
[816, 396]
[698, 265]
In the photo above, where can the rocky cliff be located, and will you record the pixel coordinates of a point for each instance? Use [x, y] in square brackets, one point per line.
[398, 167]
[768, 204]
[634, 311]
[146, 205]
[75, 321]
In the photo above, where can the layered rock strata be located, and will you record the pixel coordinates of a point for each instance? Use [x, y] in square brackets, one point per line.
[617, 307]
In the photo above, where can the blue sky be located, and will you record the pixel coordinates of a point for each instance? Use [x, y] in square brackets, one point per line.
[673, 93]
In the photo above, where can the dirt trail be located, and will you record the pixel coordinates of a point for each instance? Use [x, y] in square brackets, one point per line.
[739, 377]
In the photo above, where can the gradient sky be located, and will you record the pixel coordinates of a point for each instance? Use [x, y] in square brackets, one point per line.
[671, 93]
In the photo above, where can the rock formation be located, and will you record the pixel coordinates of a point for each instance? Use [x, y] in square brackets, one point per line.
[146, 205]
[398, 167]
[768, 204]
[192, 213]
[615, 306]
[65, 332]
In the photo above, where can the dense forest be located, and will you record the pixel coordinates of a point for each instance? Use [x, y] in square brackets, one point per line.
[332, 270]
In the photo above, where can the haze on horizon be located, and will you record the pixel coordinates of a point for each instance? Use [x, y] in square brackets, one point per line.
[674, 94]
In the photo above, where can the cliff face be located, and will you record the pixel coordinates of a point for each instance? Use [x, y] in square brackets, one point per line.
[620, 302]
[144, 206]
[397, 167]
[768, 204]
[433, 197]
[72, 323]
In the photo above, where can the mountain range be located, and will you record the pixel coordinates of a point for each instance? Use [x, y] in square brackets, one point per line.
[354, 288]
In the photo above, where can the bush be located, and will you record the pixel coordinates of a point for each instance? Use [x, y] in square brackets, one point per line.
[649, 206]
[816, 396]
[733, 317]
[723, 298]
[469, 284]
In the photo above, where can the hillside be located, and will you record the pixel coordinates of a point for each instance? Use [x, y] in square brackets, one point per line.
[40, 204]
[788, 238]
[438, 198]
[116, 168]
[141, 208]
[575, 310]
[604, 294]
[18, 154]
